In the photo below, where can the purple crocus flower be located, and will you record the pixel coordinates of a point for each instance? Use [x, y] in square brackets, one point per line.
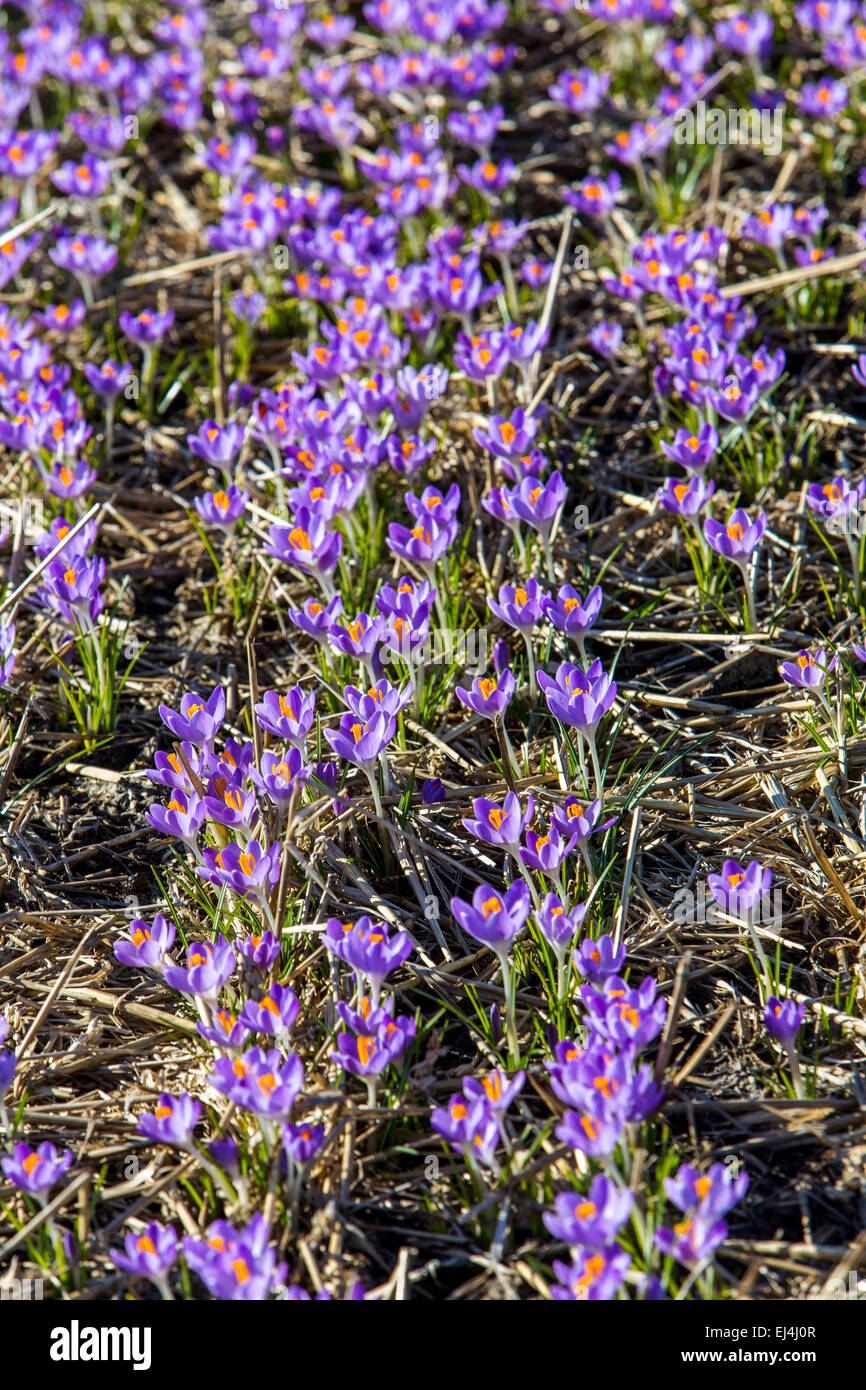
[63, 318]
[198, 720]
[71, 588]
[568, 612]
[509, 437]
[737, 538]
[497, 1089]
[316, 619]
[424, 544]
[594, 1132]
[36, 1170]
[266, 1083]
[692, 1240]
[825, 17]
[545, 853]
[274, 1014]
[259, 951]
[222, 508]
[576, 698]
[746, 33]
[225, 1031]
[520, 606]
[559, 926]
[524, 341]
[711, 1195]
[235, 1265]
[459, 1122]
[599, 960]
[87, 258]
[432, 792]
[288, 716]
[603, 1074]
[500, 825]
[360, 741]
[230, 158]
[227, 802]
[433, 503]
[783, 1020]
[302, 1142]
[481, 356]
[538, 504]
[359, 637]
[225, 1153]
[594, 197]
[367, 1055]
[475, 126]
[827, 98]
[23, 152]
[279, 775]
[382, 697]
[147, 327]
[249, 308]
[307, 544]
[208, 966]
[808, 672]
[217, 445]
[7, 652]
[181, 819]
[330, 32]
[148, 943]
[838, 502]
[149, 1254]
[249, 870]
[68, 481]
[628, 1017]
[771, 226]
[692, 451]
[738, 398]
[595, 1276]
[492, 917]
[685, 499]
[109, 378]
[605, 338]
[579, 91]
[172, 1122]
[489, 696]
[371, 953]
[739, 891]
[593, 1220]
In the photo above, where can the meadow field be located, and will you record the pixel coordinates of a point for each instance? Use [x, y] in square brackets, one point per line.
[432, 707]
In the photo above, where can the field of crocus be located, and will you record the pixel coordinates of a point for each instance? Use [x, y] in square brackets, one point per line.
[432, 707]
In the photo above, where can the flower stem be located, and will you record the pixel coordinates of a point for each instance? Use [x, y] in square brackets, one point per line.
[796, 1074]
[508, 983]
[531, 660]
